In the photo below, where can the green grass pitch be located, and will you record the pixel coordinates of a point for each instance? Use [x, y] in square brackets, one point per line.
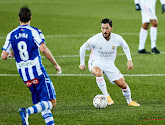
[67, 24]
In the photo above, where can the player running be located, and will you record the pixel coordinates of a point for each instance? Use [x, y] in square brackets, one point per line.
[103, 48]
[147, 8]
[26, 42]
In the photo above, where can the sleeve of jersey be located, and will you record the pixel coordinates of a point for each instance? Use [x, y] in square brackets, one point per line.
[7, 46]
[126, 49]
[86, 46]
[38, 37]
[162, 1]
[136, 1]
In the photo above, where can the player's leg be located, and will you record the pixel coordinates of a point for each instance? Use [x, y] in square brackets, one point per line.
[153, 36]
[100, 81]
[53, 101]
[142, 38]
[144, 30]
[115, 77]
[126, 91]
[37, 108]
[46, 114]
[44, 90]
[48, 117]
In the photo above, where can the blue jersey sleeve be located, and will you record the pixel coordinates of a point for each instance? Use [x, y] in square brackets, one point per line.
[7, 46]
[38, 36]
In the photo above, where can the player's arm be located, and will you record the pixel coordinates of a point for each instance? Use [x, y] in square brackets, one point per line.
[6, 48]
[4, 55]
[128, 55]
[9, 55]
[137, 5]
[127, 52]
[86, 46]
[82, 52]
[163, 5]
[50, 57]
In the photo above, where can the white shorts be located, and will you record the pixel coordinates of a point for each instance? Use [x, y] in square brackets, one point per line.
[110, 71]
[148, 13]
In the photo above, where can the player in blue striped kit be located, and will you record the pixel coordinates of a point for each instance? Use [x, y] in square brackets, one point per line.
[26, 41]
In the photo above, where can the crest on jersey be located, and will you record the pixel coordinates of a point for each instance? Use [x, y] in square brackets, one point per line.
[42, 36]
[113, 47]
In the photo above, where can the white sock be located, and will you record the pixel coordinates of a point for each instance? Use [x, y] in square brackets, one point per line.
[48, 117]
[153, 36]
[127, 94]
[39, 107]
[142, 38]
[102, 85]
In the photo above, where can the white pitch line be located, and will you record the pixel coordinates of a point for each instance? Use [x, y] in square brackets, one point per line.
[81, 35]
[143, 74]
[140, 75]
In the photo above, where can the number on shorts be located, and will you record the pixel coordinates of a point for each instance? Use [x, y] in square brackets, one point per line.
[22, 47]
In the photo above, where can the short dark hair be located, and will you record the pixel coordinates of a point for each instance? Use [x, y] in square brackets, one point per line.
[106, 20]
[24, 14]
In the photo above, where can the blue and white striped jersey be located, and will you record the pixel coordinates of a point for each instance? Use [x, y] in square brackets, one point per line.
[25, 41]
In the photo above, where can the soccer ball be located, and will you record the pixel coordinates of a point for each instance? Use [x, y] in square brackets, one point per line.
[100, 101]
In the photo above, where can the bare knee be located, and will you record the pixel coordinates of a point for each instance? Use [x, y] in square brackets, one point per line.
[98, 74]
[145, 26]
[154, 23]
[121, 83]
[53, 101]
[124, 86]
[97, 71]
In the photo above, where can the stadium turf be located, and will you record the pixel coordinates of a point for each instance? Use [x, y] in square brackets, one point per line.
[67, 24]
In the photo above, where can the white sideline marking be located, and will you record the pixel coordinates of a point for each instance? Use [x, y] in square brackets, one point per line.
[88, 75]
[81, 35]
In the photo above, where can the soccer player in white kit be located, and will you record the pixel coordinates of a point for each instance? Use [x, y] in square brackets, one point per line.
[103, 48]
[147, 8]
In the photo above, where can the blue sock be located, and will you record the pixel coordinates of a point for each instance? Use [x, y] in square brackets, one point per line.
[48, 117]
[39, 107]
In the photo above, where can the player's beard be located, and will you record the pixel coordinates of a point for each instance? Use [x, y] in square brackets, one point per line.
[106, 37]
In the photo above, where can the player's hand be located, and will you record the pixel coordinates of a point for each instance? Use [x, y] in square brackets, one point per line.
[58, 68]
[82, 67]
[129, 65]
[163, 8]
[138, 8]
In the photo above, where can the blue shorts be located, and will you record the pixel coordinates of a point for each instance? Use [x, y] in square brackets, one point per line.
[42, 89]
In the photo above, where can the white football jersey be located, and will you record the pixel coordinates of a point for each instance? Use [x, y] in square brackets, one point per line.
[104, 51]
[150, 3]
